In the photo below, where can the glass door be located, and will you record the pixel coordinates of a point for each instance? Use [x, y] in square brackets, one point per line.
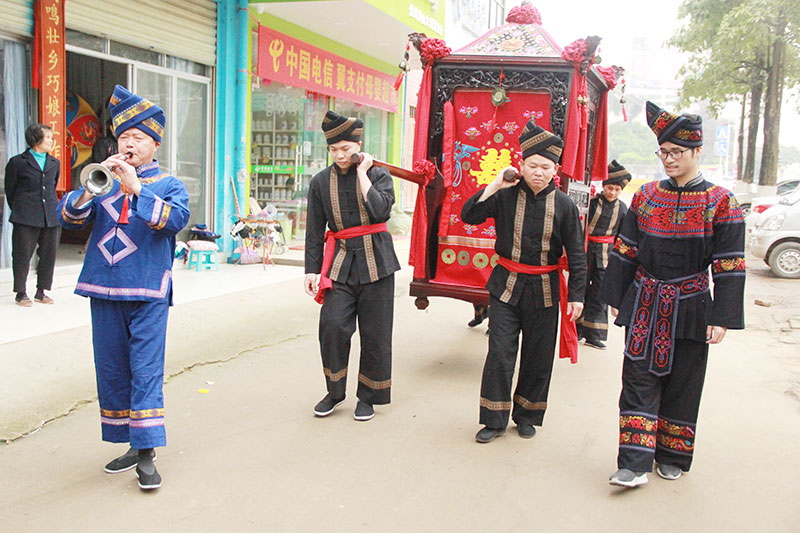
[184, 150]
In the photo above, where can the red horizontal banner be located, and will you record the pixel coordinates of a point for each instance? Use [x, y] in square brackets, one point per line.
[291, 61]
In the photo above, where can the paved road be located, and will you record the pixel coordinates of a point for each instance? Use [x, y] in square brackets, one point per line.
[249, 455]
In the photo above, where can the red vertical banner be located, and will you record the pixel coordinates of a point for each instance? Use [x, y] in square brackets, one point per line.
[52, 83]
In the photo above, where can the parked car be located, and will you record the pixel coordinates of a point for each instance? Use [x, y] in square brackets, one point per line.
[758, 204]
[775, 237]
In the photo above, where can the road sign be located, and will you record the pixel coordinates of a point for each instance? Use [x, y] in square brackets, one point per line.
[722, 134]
[721, 148]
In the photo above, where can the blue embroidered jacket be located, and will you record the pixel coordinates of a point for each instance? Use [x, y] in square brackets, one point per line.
[673, 232]
[130, 261]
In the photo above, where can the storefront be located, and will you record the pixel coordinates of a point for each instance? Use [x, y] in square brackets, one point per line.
[174, 70]
[294, 84]
[94, 65]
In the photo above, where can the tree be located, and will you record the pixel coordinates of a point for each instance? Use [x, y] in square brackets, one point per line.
[632, 144]
[738, 47]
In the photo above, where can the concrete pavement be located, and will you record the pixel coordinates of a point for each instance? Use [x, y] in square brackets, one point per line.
[248, 454]
[46, 353]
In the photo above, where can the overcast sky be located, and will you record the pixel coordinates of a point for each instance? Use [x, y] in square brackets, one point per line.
[615, 21]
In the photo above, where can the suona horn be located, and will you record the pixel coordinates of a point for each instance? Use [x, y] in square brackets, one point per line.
[97, 179]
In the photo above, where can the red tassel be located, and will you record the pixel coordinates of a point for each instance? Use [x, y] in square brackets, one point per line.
[123, 214]
[398, 81]
[624, 114]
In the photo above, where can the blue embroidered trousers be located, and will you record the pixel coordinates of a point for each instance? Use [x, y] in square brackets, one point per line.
[129, 340]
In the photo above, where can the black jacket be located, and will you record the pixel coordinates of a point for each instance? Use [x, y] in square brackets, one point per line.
[31, 192]
[550, 225]
[373, 254]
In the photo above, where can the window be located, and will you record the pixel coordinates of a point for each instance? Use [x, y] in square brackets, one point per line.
[184, 147]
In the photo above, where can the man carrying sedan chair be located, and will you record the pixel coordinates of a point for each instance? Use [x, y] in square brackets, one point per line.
[536, 223]
[606, 212]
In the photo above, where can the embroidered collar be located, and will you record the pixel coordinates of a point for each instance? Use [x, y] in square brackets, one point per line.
[691, 184]
[153, 179]
[148, 170]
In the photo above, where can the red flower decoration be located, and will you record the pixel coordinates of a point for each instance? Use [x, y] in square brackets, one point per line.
[433, 49]
[609, 74]
[575, 51]
[524, 14]
[426, 168]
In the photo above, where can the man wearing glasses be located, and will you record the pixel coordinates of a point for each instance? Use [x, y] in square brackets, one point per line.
[657, 277]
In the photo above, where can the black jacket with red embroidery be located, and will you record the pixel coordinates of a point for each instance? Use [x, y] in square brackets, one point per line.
[673, 232]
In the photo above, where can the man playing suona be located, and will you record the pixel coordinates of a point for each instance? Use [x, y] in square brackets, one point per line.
[535, 224]
[127, 274]
[354, 278]
[606, 212]
[675, 230]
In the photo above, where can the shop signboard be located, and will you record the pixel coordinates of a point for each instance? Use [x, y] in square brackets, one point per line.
[51, 81]
[288, 60]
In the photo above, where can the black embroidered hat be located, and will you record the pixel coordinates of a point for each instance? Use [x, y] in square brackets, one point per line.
[338, 128]
[617, 175]
[537, 140]
[684, 130]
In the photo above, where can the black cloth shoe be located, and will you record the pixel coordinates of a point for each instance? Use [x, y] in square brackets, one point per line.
[488, 434]
[600, 345]
[364, 411]
[326, 405]
[125, 462]
[526, 431]
[481, 312]
[149, 478]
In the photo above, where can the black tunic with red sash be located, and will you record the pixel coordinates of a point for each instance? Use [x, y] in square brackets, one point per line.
[362, 273]
[658, 278]
[536, 230]
[605, 219]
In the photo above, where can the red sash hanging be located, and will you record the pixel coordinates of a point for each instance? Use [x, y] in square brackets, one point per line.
[600, 162]
[325, 282]
[568, 343]
[448, 147]
[419, 226]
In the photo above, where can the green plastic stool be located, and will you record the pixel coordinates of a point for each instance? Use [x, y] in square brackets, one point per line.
[207, 259]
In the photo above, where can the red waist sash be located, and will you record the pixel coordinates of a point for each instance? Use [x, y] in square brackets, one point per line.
[325, 282]
[568, 343]
[608, 239]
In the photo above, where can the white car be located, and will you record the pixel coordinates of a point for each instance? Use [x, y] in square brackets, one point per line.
[755, 205]
[775, 237]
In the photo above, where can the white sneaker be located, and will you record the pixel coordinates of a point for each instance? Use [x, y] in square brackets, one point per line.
[628, 478]
[669, 472]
